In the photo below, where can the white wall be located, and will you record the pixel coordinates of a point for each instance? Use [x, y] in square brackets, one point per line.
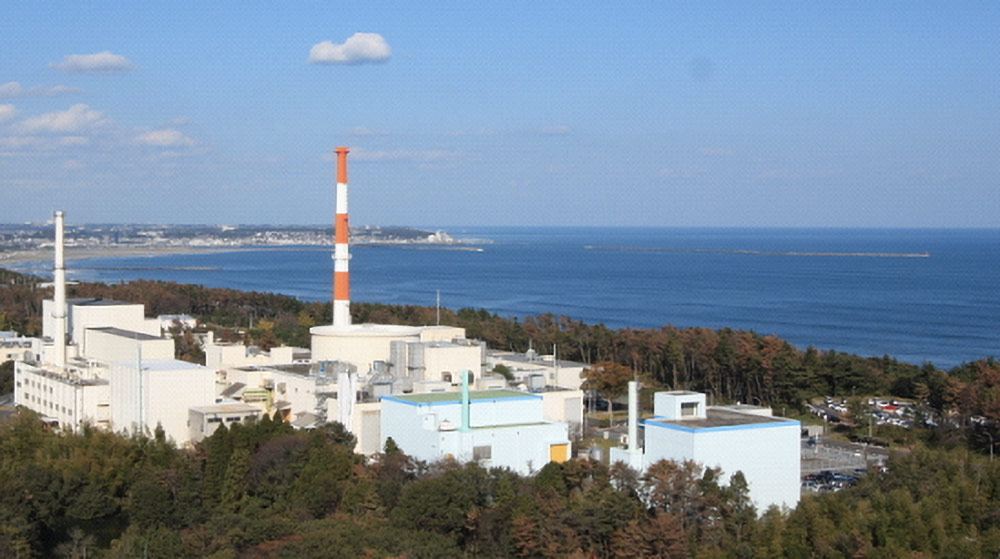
[203, 421]
[512, 427]
[768, 454]
[110, 346]
[669, 404]
[565, 375]
[452, 358]
[441, 333]
[563, 405]
[225, 355]
[126, 316]
[161, 395]
[522, 448]
[360, 344]
[18, 349]
[71, 401]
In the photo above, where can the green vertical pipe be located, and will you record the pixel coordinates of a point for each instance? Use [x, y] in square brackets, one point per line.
[466, 423]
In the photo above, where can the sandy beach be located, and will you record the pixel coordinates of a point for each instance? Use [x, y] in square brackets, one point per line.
[81, 253]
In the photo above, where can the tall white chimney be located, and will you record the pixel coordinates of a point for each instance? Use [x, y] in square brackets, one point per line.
[59, 312]
[633, 416]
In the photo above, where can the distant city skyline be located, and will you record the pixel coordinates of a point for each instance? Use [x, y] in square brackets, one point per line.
[776, 114]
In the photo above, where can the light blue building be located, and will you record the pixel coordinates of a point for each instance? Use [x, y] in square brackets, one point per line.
[733, 438]
[502, 428]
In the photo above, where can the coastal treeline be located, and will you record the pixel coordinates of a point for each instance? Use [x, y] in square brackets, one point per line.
[263, 490]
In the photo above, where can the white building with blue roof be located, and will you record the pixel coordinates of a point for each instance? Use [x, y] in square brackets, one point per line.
[747, 439]
[733, 438]
[502, 428]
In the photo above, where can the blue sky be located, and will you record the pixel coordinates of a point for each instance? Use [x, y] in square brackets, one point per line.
[876, 114]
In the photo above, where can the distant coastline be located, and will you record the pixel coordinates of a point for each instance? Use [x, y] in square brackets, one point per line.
[23, 244]
[83, 253]
[18, 258]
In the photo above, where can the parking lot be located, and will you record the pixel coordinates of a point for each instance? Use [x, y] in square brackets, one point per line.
[838, 456]
[829, 465]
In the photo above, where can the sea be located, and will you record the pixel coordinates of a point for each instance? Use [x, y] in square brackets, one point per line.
[918, 295]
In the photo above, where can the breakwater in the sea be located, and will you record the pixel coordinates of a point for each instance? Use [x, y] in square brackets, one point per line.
[151, 268]
[765, 252]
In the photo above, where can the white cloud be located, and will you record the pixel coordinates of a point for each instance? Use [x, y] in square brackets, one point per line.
[557, 130]
[359, 48]
[20, 141]
[164, 138]
[74, 140]
[14, 90]
[7, 112]
[102, 63]
[76, 119]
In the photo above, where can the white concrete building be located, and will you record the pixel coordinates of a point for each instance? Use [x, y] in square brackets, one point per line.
[109, 344]
[96, 313]
[19, 348]
[205, 420]
[289, 389]
[564, 406]
[364, 344]
[414, 363]
[501, 428]
[734, 438]
[528, 367]
[71, 398]
[224, 355]
[161, 394]
[168, 321]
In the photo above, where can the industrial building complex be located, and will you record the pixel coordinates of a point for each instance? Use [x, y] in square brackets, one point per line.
[104, 363]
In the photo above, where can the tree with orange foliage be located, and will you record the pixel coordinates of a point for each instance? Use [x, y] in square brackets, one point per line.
[609, 379]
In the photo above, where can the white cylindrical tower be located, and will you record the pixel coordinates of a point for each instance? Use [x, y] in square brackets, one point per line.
[633, 416]
[341, 250]
[59, 310]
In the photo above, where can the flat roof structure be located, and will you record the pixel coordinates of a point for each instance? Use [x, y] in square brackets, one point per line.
[164, 365]
[126, 333]
[719, 419]
[96, 302]
[439, 398]
[545, 361]
[237, 407]
[368, 329]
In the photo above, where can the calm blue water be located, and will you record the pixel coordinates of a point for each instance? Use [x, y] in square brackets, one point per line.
[942, 309]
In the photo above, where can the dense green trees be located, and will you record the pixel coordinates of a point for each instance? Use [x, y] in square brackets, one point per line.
[6, 377]
[263, 490]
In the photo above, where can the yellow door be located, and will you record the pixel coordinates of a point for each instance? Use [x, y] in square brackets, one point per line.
[559, 452]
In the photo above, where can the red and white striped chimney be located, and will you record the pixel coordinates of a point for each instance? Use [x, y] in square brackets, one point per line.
[341, 250]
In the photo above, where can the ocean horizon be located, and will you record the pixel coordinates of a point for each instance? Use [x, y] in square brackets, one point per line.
[917, 295]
